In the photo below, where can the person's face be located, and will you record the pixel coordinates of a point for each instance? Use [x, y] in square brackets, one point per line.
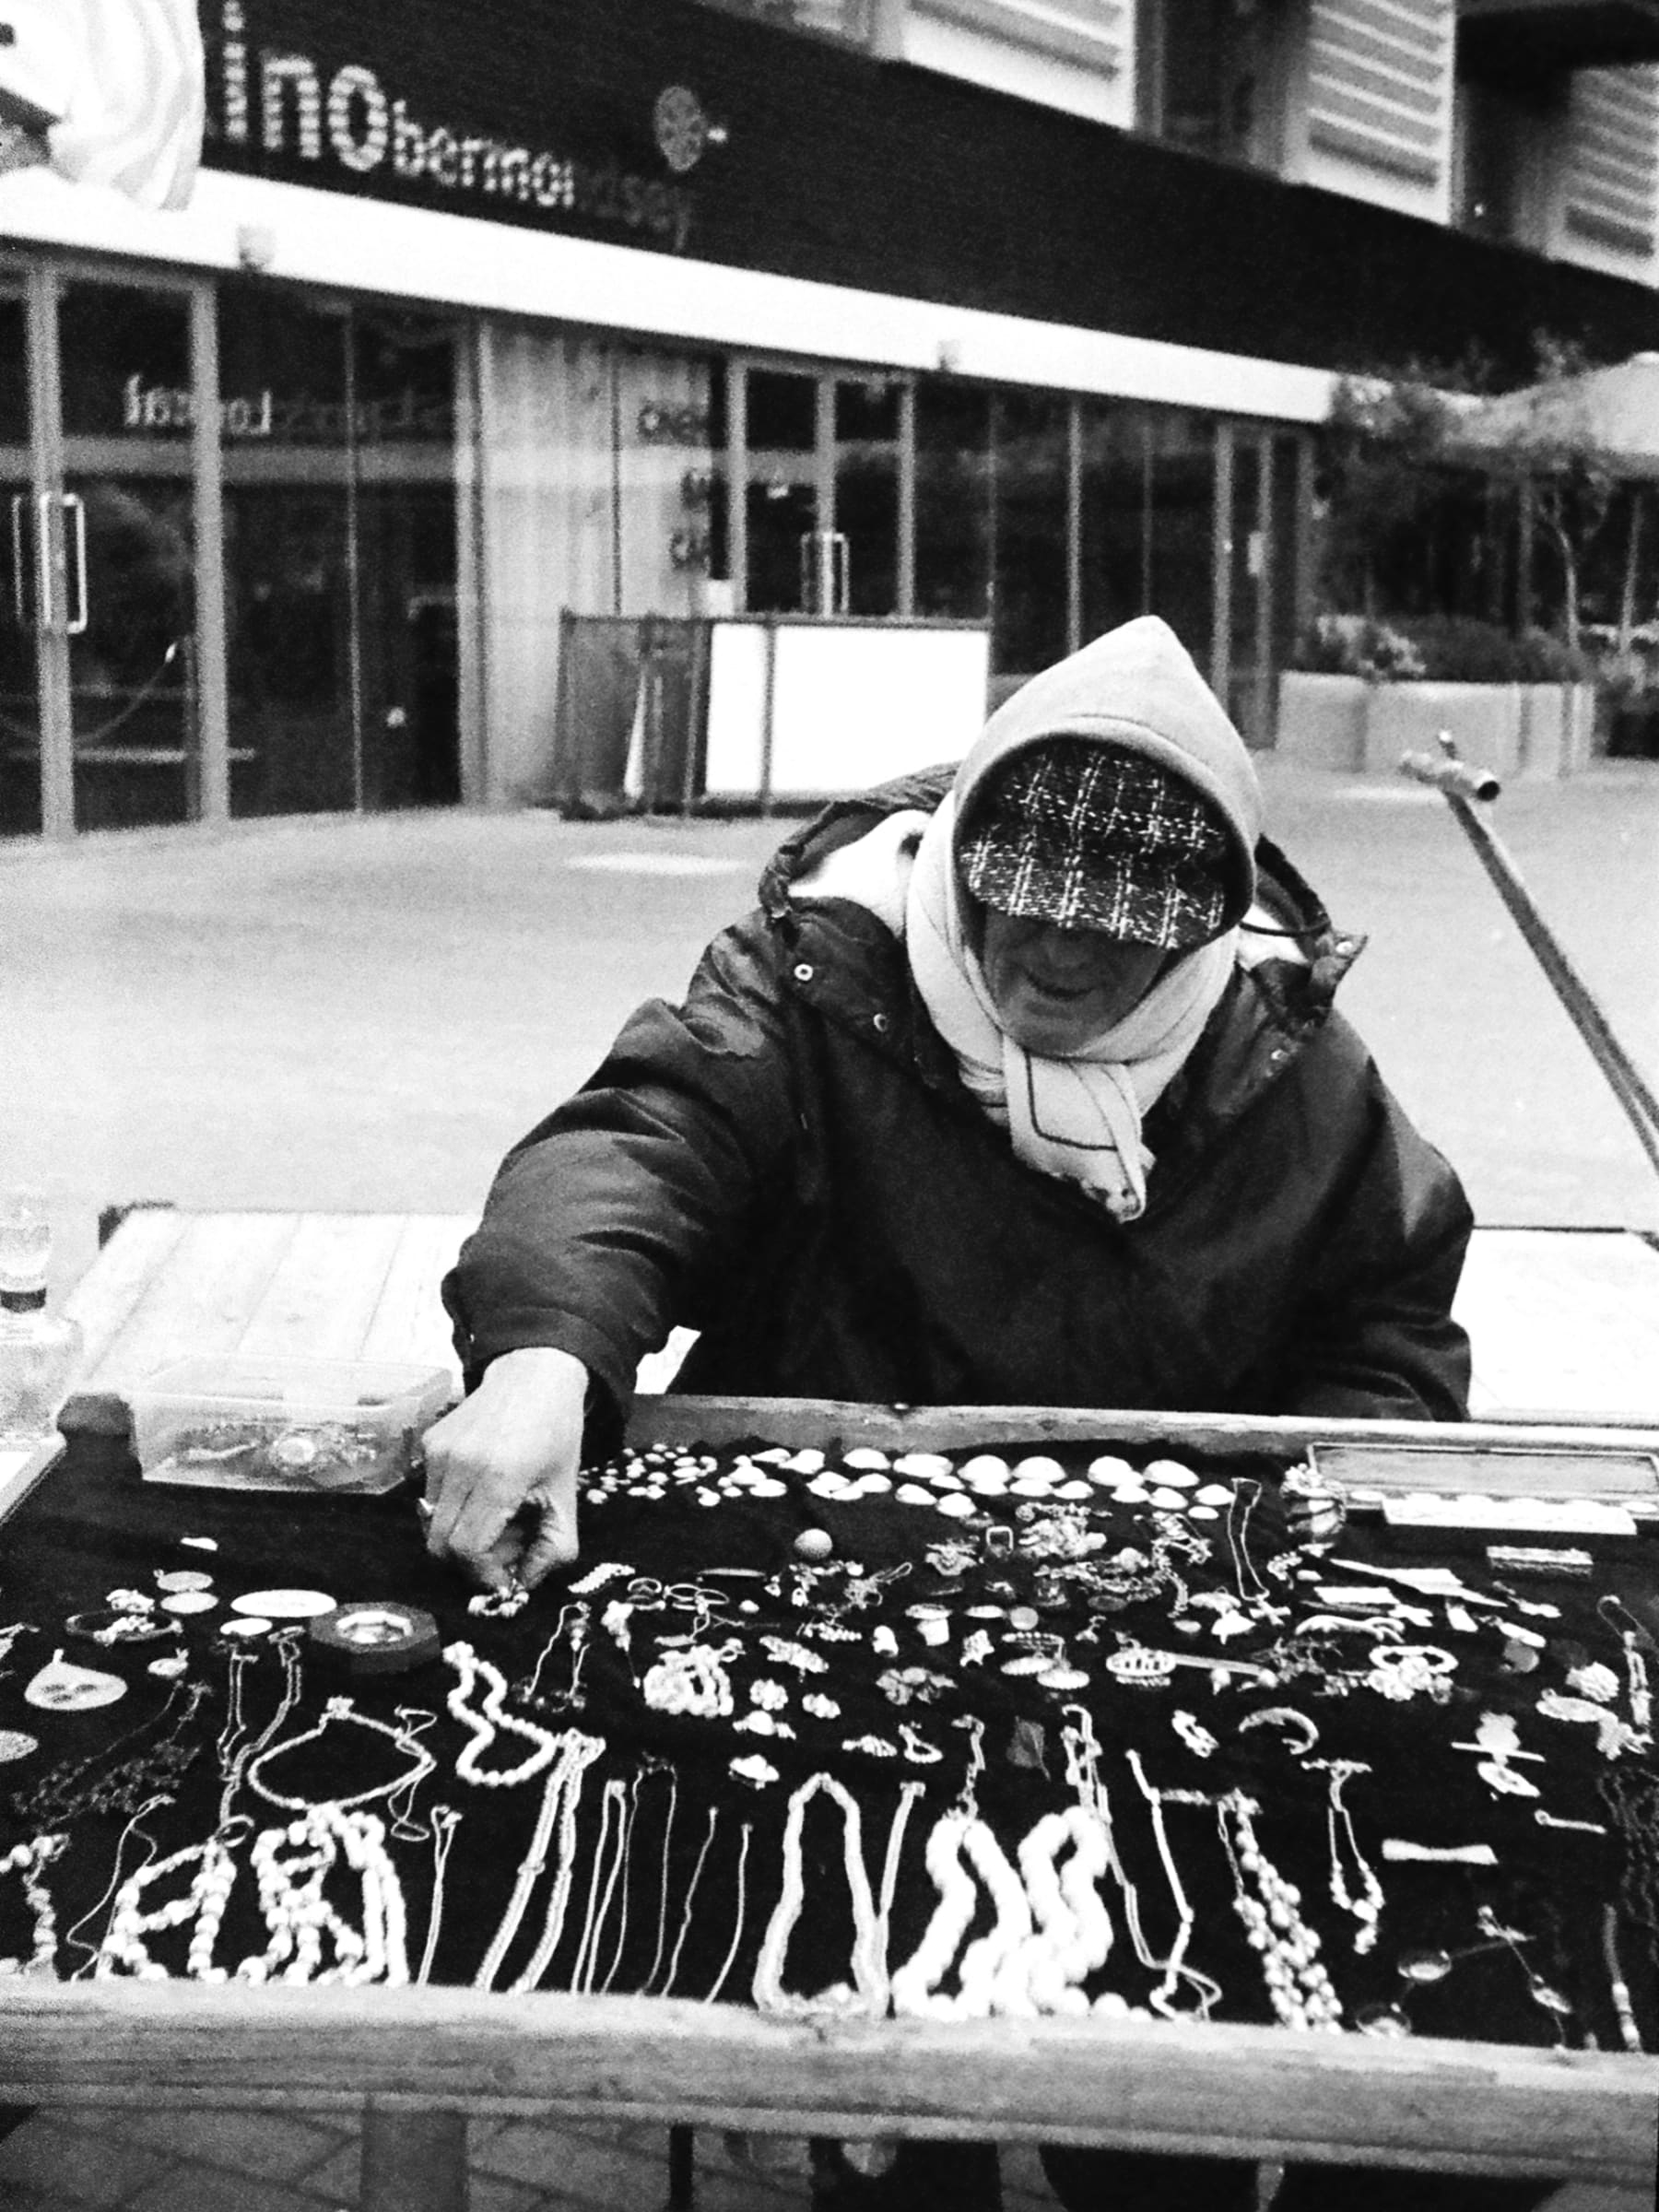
[1055, 989]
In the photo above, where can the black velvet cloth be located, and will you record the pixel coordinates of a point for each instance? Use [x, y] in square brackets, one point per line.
[703, 1868]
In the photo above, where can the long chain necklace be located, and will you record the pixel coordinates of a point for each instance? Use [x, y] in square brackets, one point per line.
[421, 1764]
[1367, 1906]
[576, 1753]
[869, 1993]
[123, 1773]
[1177, 1975]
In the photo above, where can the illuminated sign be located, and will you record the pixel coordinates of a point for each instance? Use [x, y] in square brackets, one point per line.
[281, 102]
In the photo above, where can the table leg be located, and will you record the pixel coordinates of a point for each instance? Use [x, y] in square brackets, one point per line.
[682, 2170]
[413, 2162]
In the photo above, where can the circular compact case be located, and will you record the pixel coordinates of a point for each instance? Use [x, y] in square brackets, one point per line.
[376, 1636]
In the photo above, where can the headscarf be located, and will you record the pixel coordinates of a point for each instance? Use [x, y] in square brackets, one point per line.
[1077, 1116]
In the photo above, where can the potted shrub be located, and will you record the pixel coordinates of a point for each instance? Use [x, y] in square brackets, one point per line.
[1362, 692]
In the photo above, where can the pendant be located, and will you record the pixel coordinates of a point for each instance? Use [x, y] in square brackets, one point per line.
[62, 1688]
[183, 1578]
[14, 1744]
[1063, 1677]
[190, 1601]
[1424, 1966]
[1381, 2019]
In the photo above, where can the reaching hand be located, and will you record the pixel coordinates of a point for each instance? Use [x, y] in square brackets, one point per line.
[502, 1470]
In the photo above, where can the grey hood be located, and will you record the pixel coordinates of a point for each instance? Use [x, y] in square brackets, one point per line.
[1138, 688]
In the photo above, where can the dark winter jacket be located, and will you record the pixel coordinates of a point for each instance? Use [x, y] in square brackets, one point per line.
[789, 1163]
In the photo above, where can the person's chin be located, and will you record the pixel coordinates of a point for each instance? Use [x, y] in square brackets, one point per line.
[1052, 1027]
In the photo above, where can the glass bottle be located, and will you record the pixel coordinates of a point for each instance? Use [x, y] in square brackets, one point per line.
[39, 1351]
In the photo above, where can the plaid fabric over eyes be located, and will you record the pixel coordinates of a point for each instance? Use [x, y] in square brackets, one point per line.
[1091, 837]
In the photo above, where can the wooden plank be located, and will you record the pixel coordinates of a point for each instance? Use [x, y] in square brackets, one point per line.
[1563, 1321]
[104, 1300]
[198, 1299]
[716, 1420]
[409, 1322]
[1166, 2086]
[325, 1288]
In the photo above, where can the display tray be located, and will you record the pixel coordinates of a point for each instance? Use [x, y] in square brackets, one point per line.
[767, 1831]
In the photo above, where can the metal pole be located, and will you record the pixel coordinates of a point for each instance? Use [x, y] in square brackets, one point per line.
[208, 739]
[1459, 783]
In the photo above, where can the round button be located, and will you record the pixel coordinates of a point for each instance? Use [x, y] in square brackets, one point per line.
[803, 972]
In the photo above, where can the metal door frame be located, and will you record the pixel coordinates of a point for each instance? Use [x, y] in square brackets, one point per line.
[824, 375]
[44, 279]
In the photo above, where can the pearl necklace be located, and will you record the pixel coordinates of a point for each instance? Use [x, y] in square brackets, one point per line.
[204, 1904]
[1299, 1988]
[869, 1990]
[1073, 1930]
[30, 1860]
[491, 1719]
[300, 1917]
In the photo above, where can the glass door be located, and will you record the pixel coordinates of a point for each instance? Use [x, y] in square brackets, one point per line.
[128, 408]
[821, 456]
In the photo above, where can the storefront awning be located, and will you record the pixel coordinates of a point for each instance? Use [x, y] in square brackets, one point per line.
[1611, 415]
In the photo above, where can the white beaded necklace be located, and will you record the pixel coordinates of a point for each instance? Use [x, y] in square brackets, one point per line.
[490, 1720]
[291, 1866]
[869, 1993]
[1074, 1929]
[30, 1860]
[1299, 1988]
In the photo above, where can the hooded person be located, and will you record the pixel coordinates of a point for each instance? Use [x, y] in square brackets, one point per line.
[1022, 1085]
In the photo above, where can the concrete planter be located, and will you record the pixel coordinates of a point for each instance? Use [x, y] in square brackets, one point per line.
[1347, 723]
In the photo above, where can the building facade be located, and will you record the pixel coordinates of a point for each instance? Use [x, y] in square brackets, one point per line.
[1013, 312]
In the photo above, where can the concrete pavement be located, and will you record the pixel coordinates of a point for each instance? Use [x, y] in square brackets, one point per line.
[336, 1014]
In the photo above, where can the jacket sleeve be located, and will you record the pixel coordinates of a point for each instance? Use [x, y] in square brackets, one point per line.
[606, 1225]
[1375, 1337]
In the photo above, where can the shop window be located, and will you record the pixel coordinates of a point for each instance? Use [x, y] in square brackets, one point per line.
[953, 500]
[1114, 544]
[1182, 536]
[1029, 528]
[340, 430]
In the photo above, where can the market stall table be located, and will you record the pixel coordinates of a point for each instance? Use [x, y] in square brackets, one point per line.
[699, 1909]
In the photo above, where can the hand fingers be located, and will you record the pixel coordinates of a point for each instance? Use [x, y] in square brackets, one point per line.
[552, 1541]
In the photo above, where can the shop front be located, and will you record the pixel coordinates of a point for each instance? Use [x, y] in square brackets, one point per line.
[231, 538]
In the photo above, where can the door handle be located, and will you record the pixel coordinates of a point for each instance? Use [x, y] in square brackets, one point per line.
[74, 508]
[16, 540]
[43, 602]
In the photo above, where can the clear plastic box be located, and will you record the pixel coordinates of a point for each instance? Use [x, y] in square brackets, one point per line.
[340, 1427]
